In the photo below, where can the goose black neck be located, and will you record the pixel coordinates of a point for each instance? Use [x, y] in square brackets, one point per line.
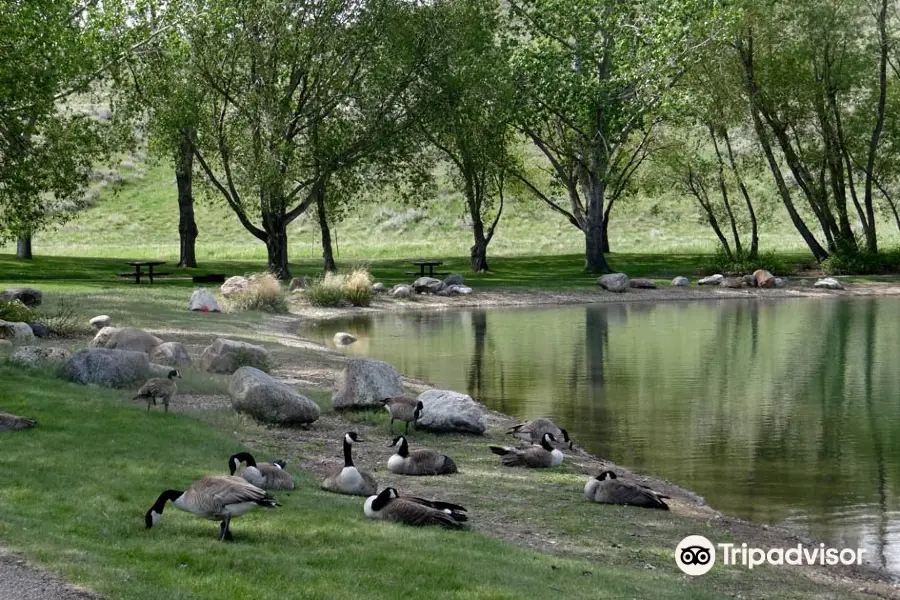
[245, 457]
[403, 450]
[348, 459]
[545, 444]
[382, 500]
[167, 495]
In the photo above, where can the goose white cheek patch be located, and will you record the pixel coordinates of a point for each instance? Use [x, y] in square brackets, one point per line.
[155, 517]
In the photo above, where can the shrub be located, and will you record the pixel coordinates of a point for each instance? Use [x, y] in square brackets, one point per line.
[741, 263]
[64, 320]
[15, 312]
[263, 293]
[354, 288]
[862, 263]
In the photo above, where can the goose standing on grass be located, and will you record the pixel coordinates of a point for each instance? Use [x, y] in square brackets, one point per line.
[217, 498]
[403, 408]
[389, 505]
[161, 388]
[534, 431]
[268, 476]
[420, 462]
[605, 488]
[10, 422]
[349, 479]
[536, 457]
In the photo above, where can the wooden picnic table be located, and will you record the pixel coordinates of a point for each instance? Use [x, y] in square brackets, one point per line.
[137, 264]
[431, 264]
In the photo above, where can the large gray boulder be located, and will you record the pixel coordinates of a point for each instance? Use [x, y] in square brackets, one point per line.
[732, 282]
[171, 354]
[642, 284]
[15, 332]
[126, 338]
[100, 340]
[402, 291]
[366, 382]
[427, 285]
[27, 296]
[453, 279]
[202, 300]
[101, 321]
[378, 288]
[447, 411]
[342, 338]
[107, 367]
[39, 357]
[763, 278]
[614, 282]
[712, 280]
[234, 286]
[829, 283]
[267, 399]
[681, 281]
[227, 356]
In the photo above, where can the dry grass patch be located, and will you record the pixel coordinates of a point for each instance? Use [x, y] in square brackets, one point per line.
[342, 289]
[264, 293]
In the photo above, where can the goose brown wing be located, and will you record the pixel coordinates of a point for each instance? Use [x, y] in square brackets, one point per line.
[217, 491]
[154, 387]
[10, 422]
[413, 513]
[275, 478]
[635, 495]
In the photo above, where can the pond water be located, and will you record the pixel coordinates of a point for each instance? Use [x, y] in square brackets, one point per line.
[779, 411]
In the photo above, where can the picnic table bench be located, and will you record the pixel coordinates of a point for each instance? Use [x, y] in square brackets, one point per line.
[137, 264]
[422, 264]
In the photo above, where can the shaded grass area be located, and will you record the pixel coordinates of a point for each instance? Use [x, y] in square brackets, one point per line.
[554, 272]
[86, 522]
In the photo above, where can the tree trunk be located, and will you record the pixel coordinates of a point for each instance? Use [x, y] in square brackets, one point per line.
[608, 210]
[754, 224]
[723, 189]
[594, 190]
[23, 247]
[277, 250]
[478, 254]
[327, 254]
[184, 178]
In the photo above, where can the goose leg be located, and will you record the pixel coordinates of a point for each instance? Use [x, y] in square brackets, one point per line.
[225, 533]
[166, 403]
[407, 427]
[391, 427]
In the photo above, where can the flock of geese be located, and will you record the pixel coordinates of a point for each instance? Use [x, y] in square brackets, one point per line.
[224, 497]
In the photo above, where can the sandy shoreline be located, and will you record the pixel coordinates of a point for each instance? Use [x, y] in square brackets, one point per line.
[520, 298]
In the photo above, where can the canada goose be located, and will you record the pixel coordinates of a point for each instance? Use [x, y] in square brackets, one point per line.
[403, 408]
[389, 505]
[537, 457]
[10, 422]
[348, 479]
[217, 498]
[268, 476]
[535, 429]
[420, 462]
[164, 389]
[605, 488]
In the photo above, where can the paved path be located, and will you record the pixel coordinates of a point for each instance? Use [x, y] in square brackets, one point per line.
[18, 581]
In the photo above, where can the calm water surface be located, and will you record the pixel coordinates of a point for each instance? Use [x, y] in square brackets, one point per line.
[777, 411]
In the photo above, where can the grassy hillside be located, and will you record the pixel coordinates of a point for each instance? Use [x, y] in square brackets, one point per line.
[139, 218]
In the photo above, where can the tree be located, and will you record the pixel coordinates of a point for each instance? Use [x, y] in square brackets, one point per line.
[279, 74]
[593, 75]
[51, 50]
[807, 71]
[468, 96]
[157, 87]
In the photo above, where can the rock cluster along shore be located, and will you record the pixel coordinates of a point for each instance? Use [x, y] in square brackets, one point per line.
[620, 282]
[452, 285]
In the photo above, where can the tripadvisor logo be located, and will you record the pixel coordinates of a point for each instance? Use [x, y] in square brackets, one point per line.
[696, 555]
